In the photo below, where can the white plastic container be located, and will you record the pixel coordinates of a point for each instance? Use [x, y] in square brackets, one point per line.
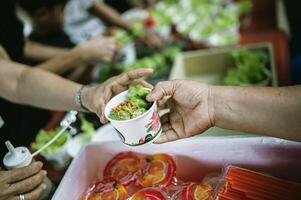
[210, 65]
[138, 131]
[195, 158]
[16, 157]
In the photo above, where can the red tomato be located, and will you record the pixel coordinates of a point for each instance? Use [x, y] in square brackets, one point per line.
[148, 194]
[149, 22]
[123, 167]
[197, 191]
[107, 189]
[159, 170]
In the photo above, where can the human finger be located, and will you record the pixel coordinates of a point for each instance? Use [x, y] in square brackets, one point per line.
[24, 172]
[143, 82]
[167, 136]
[34, 194]
[164, 103]
[164, 119]
[162, 89]
[127, 77]
[28, 184]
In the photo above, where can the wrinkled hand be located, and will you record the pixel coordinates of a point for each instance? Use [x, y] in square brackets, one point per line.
[98, 49]
[26, 180]
[96, 98]
[152, 39]
[189, 108]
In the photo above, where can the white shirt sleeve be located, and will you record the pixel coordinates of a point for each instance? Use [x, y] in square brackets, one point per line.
[79, 24]
[86, 4]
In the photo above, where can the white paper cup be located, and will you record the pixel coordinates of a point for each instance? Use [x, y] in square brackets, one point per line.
[141, 130]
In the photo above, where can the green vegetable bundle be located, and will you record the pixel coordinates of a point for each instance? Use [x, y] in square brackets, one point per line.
[250, 67]
[158, 62]
[45, 136]
[213, 22]
[87, 129]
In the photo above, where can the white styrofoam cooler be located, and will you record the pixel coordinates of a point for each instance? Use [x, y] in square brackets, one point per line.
[195, 157]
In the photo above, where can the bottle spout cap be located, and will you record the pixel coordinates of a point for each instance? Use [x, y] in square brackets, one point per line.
[16, 157]
[10, 147]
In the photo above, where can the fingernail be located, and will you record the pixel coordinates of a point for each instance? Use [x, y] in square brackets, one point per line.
[44, 186]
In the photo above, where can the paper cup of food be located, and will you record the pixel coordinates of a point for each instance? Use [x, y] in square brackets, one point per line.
[136, 120]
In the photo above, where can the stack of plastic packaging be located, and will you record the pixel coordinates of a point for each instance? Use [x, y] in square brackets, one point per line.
[132, 176]
[243, 184]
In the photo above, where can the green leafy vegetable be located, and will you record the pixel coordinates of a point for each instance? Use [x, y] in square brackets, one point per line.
[250, 67]
[157, 61]
[45, 136]
[135, 105]
[199, 19]
[87, 129]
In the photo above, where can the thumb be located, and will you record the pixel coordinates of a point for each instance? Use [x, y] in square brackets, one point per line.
[162, 89]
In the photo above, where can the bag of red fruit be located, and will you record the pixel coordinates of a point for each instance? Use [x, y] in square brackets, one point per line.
[106, 189]
[136, 171]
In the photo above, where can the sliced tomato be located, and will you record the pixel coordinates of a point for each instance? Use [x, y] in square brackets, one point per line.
[159, 170]
[107, 189]
[148, 194]
[123, 167]
[197, 191]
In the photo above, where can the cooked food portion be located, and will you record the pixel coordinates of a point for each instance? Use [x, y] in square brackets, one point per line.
[135, 105]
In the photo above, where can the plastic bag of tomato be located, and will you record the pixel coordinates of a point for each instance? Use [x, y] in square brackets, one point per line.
[132, 176]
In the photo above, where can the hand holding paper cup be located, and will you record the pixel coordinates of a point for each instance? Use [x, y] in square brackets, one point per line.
[136, 120]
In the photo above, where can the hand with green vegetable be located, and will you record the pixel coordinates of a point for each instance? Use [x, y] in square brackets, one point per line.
[95, 98]
[27, 180]
[195, 107]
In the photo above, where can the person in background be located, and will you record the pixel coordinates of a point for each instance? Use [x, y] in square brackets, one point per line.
[36, 87]
[85, 19]
[47, 19]
[12, 40]
[195, 107]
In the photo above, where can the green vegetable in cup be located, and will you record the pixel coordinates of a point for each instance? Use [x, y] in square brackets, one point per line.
[135, 105]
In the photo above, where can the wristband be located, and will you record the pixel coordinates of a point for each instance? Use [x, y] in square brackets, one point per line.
[78, 99]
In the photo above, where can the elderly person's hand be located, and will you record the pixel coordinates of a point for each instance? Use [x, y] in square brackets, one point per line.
[189, 108]
[98, 49]
[95, 98]
[27, 181]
